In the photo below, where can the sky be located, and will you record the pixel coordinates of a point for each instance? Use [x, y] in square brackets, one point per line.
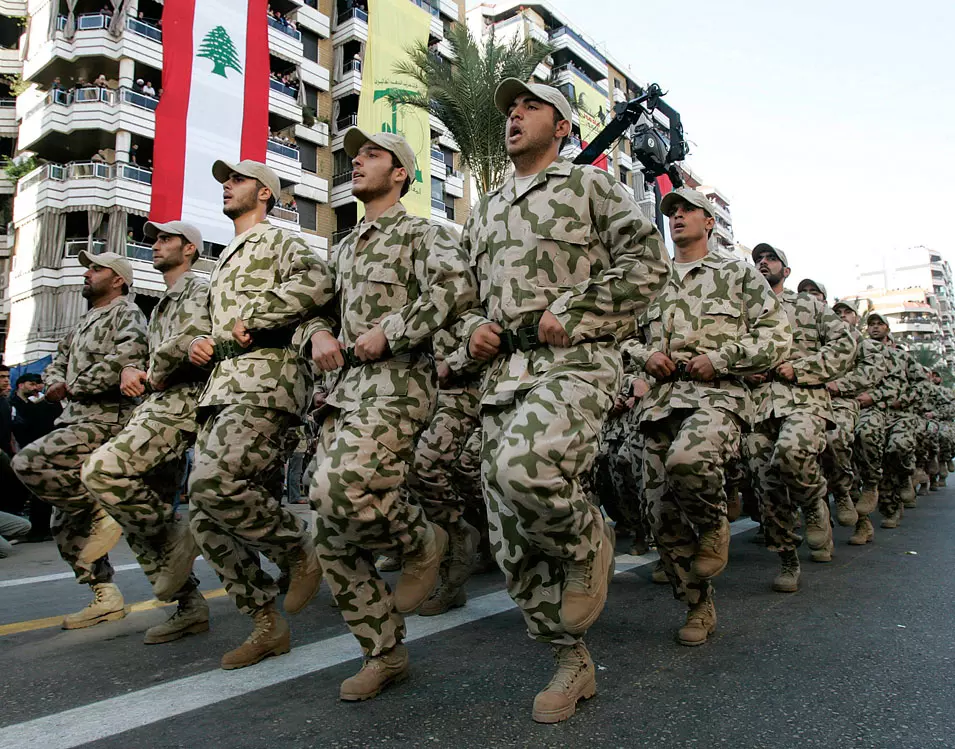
[829, 125]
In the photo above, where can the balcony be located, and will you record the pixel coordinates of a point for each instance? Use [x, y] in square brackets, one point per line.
[537, 33]
[312, 187]
[7, 185]
[454, 186]
[350, 80]
[352, 25]
[565, 74]
[443, 48]
[284, 28]
[284, 159]
[563, 38]
[624, 160]
[439, 168]
[285, 42]
[284, 218]
[10, 62]
[313, 19]
[283, 101]
[449, 9]
[16, 8]
[314, 74]
[317, 133]
[341, 190]
[8, 118]
[437, 28]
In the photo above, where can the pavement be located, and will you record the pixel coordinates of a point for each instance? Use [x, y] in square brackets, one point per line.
[862, 656]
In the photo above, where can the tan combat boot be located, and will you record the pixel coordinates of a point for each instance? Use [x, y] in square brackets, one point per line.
[868, 500]
[734, 505]
[825, 553]
[104, 535]
[179, 552]
[893, 520]
[586, 583]
[270, 636]
[713, 551]
[846, 514]
[818, 529]
[376, 673]
[700, 624]
[463, 540]
[445, 597]
[920, 482]
[107, 606]
[659, 574]
[575, 679]
[864, 532]
[190, 618]
[305, 576]
[907, 494]
[950, 465]
[787, 581]
[419, 573]
[389, 563]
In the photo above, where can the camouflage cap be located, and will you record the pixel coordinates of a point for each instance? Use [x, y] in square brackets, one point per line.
[763, 246]
[510, 88]
[222, 170]
[392, 142]
[807, 281]
[181, 228]
[877, 316]
[693, 197]
[116, 263]
[847, 304]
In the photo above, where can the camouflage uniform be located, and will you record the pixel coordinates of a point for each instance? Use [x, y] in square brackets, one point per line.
[903, 424]
[271, 280]
[89, 360]
[573, 242]
[408, 276]
[724, 309]
[135, 474]
[791, 419]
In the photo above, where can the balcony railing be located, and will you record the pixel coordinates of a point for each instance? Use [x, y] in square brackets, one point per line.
[138, 251]
[139, 100]
[437, 154]
[144, 29]
[352, 65]
[350, 14]
[75, 246]
[285, 214]
[285, 28]
[85, 170]
[345, 122]
[282, 149]
[342, 178]
[89, 94]
[434, 10]
[86, 22]
[569, 67]
[561, 31]
[8, 103]
[282, 88]
[438, 204]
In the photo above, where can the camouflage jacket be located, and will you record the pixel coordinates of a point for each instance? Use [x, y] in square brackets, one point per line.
[866, 374]
[894, 383]
[823, 349]
[725, 309]
[91, 359]
[573, 242]
[272, 281]
[942, 402]
[180, 316]
[916, 398]
[407, 275]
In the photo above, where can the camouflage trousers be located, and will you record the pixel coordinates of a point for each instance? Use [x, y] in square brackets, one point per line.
[534, 453]
[135, 475]
[784, 458]
[946, 441]
[901, 445]
[431, 481]
[684, 461]
[837, 458]
[236, 512]
[617, 476]
[362, 463]
[926, 454]
[467, 478]
[50, 468]
[870, 446]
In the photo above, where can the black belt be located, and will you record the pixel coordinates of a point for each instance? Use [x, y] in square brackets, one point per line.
[681, 375]
[230, 349]
[522, 339]
[352, 360]
[779, 378]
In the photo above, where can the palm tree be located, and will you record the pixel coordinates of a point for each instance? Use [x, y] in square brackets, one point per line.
[461, 94]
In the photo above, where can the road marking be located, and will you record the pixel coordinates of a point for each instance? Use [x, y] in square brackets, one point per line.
[112, 716]
[55, 621]
[57, 576]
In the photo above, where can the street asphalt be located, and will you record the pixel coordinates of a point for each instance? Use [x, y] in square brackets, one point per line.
[862, 656]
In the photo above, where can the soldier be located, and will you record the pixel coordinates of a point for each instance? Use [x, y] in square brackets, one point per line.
[85, 372]
[265, 283]
[793, 411]
[565, 260]
[944, 406]
[134, 474]
[714, 322]
[400, 279]
[813, 288]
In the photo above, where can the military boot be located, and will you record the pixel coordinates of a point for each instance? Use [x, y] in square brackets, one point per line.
[389, 563]
[893, 520]
[868, 500]
[934, 483]
[103, 536]
[787, 581]
[190, 618]
[700, 624]
[445, 597]
[305, 576]
[825, 553]
[419, 573]
[920, 483]
[639, 547]
[463, 540]
[376, 673]
[107, 606]
[179, 552]
[659, 574]
[818, 527]
[574, 680]
[864, 532]
[734, 505]
[270, 636]
[586, 583]
[713, 551]
[907, 494]
[950, 465]
[846, 513]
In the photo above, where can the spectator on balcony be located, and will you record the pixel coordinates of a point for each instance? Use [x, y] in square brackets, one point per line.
[101, 81]
[133, 153]
[138, 85]
[56, 85]
[149, 90]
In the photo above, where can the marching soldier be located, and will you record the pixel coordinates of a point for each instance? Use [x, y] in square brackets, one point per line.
[793, 411]
[86, 372]
[399, 280]
[127, 474]
[265, 283]
[565, 260]
[715, 321]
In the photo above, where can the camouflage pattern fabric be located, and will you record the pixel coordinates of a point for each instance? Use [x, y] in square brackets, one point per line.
[869, 446]
[899, 460]
[611, 476]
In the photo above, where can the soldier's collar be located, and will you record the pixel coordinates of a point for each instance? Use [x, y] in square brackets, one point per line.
[385, 222]
[561, 167]
[180, 285]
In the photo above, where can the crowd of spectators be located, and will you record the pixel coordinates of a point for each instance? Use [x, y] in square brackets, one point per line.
[282, 19]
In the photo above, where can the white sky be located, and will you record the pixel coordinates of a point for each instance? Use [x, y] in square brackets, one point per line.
[830, 125]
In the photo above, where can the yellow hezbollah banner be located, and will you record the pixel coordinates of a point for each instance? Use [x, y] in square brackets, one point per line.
[393, 27]
[592, 112]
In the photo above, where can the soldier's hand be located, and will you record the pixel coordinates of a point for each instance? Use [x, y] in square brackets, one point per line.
[444, 372]
[371, 345]
[551, 332]
[56, 393]
[619, 406]
[241, 334]
[640, 387]
[701, 368]
[786, 371]
[659, 365]
[833, 388]
[896, 405]
[201, 351]
[485, 342]
[865, 400]
[132, 382]
[756, 379]
[327, 351]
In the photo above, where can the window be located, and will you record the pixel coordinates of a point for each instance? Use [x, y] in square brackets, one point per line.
[307, 154]
[306, 213]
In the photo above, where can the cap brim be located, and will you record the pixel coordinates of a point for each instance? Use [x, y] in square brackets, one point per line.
[222, 170]
[848, 306]
[354, 139]
[507, 91]
[85, 259]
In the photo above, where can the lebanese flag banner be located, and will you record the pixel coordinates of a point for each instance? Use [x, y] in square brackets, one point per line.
[215, 105]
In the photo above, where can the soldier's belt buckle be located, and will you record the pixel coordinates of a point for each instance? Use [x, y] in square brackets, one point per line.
[508, 342]
[228, 350]
[351, 360]
[528, 338]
